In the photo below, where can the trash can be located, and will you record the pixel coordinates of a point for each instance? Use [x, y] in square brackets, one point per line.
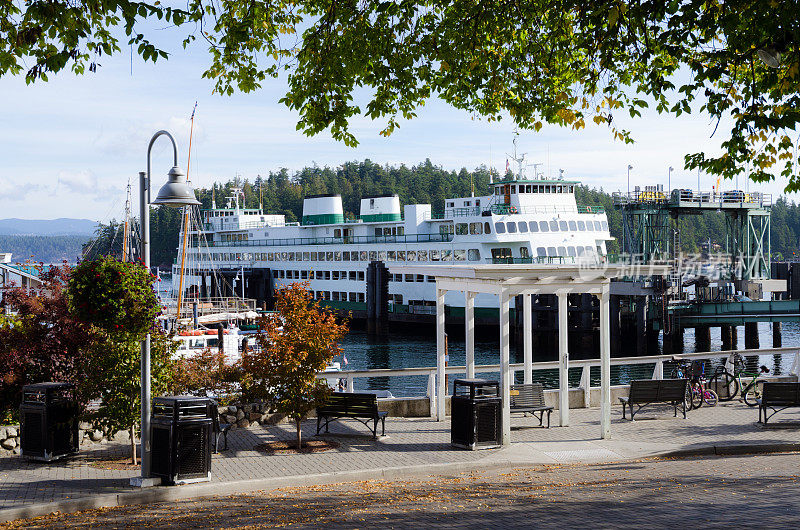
[476, 414]
[180, 439]
[48, 421]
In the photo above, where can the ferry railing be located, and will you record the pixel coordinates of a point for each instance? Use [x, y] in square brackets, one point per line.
[502, 209]
[658, 362]
[348, 240]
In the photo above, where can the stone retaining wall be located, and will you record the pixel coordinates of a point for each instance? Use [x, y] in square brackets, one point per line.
[9, 439]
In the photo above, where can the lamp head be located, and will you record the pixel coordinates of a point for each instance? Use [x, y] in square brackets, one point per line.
[176, 193]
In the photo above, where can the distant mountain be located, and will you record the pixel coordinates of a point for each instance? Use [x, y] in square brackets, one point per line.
[48, 227]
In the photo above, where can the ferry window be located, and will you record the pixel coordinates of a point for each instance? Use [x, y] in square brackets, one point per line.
[467, 203]
[352, 276]
[461, 229]
[598, 226]
[401, 255]
[329, 256]
[398, 298]
[477, 202]
[554, 226]
[297, 275]
[381, 255]
[551, 251]
[271, 256]
[523, 252]
[306, 256]
[572, 189]
[562, 225]
[313, 256]
[378, 232]
[422, 255]
[446, 228]
[411, 255]
[430, 279]
[319, 275]
[363, 255]
[543, 226]
[334, 275]
[475, 228]
[373, 255]
[372, 203]
[337, 233]
[390, 255]
[605, 225]
[337, 255]
[562, 251]
[387, 231]
[327, 275]
[487, 228]
[361, 276]
[459, 255]
[446, 255]
[573, 225]
[581, 226]
[354, 255]
[512, 228]
[346, 255]
[535, 189]
[581, 251]
[420, 278]
[513, 189]
[541, 252]
[400, 230]
[523, 226]
[360, 297]
[304, 275]
[589, 250]
[571, 251]
[499, 228]
[534, 226]
[450, 204]
[474, 254]
[353, 297]
[409, 278]
[434, 255]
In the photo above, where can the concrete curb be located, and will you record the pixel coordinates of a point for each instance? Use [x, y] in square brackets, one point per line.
[197, 491]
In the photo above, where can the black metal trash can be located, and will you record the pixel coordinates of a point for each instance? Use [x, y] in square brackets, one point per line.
[48, 421]
[180, 439]
[476, 414]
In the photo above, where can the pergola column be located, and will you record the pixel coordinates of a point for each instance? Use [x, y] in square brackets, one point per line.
[527, 338]
[469, 325]
[505, 371]
[441, 388]
[605, 364]
[563, 364]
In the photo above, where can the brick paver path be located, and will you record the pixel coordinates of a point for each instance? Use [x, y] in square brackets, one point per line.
[704, 492]
[410, 443]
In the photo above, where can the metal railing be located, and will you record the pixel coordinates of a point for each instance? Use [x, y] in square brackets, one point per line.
[586, 365]
[698, 198]
[502, 209]
[348, 240]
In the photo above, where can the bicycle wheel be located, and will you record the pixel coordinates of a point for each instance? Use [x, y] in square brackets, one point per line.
[710, 398]
[724, 384]
[697, 397]
[687, 398]
[752, 394]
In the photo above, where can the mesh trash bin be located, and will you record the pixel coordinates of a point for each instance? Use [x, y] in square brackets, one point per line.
[48, 421]
[475, 411]
[180, 439]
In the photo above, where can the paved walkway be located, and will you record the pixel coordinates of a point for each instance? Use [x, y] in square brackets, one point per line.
[421, 445]
[705, 492]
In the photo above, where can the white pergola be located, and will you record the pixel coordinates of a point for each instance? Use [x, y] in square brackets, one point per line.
[507, 281]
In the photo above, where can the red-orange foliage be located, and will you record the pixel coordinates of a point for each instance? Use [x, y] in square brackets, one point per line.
[300, 340]
[206, 373]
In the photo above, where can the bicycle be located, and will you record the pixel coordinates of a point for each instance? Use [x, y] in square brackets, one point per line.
[697, 392]
[729, 385]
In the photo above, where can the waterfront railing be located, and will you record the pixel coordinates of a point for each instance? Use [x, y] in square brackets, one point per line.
[650, 366]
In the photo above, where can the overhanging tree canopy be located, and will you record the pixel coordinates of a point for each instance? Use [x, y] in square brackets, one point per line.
[564, 62]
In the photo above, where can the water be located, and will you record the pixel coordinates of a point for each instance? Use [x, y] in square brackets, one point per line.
[399, 350]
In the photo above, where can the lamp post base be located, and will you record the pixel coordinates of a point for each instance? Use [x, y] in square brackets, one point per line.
[145, 482]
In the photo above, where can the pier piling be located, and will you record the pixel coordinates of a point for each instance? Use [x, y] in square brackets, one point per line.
[776, 335]
[702, 338]
[751, 335]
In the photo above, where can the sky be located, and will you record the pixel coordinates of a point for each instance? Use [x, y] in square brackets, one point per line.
[69, 146]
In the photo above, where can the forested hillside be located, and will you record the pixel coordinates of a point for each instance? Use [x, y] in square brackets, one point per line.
[48, 249]
[282, 193]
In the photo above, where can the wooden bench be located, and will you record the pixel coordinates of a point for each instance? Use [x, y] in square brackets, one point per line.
[362, 407]
[530, 398]
[777, 397]
[649, 391]
[218, 428]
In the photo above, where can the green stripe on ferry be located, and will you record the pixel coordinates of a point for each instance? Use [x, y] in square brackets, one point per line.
[323, 219]
[381, 217]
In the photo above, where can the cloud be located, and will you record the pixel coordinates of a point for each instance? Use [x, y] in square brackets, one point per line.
[84, 183]
[15, 191]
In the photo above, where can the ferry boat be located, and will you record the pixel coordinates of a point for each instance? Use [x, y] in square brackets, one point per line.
[245, 251]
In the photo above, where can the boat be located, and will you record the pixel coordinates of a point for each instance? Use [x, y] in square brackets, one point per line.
[244, 251]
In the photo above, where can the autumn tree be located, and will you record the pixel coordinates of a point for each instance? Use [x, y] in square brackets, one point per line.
[40, 338]
[117, 299]
[206, 373]
[300, 340]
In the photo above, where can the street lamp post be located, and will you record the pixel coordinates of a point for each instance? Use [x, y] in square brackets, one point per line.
[669, 181]
[175, 193]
